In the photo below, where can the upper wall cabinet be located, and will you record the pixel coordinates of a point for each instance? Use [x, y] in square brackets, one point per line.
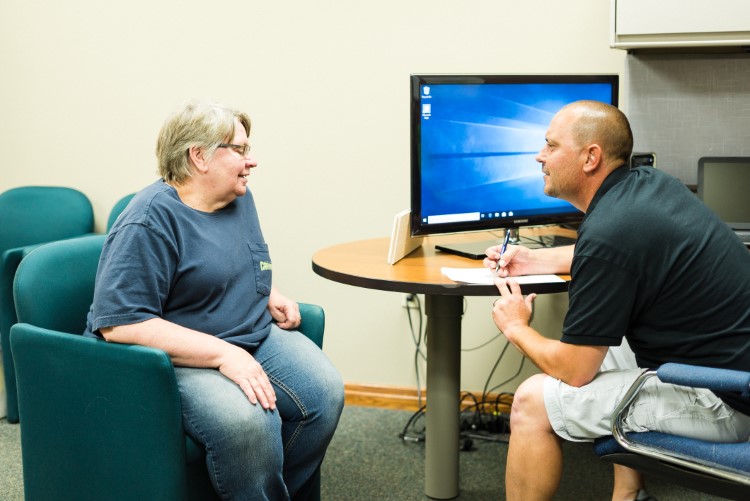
[651, 24]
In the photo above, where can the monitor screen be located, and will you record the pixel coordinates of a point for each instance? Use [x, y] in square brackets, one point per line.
[724, 186]
[474, 139]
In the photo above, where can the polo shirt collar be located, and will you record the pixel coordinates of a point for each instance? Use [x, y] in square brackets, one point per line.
[614, 178]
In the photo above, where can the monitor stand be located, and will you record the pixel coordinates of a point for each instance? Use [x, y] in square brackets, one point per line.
[475, 250]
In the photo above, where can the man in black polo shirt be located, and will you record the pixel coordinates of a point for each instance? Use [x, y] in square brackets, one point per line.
[652, 265]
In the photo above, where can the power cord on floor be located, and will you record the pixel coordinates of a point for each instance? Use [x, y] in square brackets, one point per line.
[411, 433]
[487, 419]
[484, 419]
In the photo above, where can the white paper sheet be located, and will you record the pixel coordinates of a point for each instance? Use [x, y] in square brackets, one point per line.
[484, 276]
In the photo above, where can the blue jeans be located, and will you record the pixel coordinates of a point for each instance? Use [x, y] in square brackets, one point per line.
[255, 454]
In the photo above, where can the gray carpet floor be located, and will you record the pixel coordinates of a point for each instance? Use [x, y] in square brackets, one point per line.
[11, 472]
[367, 461]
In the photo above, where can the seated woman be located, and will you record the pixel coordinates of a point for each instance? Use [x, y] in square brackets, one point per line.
[186, 269]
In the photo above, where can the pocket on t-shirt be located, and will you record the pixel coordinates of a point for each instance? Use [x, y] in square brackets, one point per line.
[262, 267]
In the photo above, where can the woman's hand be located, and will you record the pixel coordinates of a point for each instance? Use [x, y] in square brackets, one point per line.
[240, 366]
[283, 310]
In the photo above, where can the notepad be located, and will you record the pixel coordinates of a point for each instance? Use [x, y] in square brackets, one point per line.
[485, 276]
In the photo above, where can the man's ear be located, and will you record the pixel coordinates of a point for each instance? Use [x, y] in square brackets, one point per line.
[593, 158]
[197, 155]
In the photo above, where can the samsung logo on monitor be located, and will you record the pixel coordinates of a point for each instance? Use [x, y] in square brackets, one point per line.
[520, 221]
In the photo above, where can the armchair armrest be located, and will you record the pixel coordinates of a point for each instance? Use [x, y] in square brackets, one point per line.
[97, 416]
[710, 378]
[313, 322]
[725, 461]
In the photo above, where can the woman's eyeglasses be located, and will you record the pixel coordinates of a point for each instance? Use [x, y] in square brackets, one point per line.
[241, 149]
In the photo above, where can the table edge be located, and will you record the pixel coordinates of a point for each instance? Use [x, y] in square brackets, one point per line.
[454, 289]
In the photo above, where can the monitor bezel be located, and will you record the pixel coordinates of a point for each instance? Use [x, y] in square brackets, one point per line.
[702, 161]
[419, 228]
[736, 225]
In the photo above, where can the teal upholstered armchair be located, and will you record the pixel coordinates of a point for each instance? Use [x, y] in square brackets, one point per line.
[117, 209]
[29, 216]
[99, 420]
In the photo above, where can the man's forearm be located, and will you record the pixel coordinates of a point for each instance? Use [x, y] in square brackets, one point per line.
[575, 365]
[553, 260]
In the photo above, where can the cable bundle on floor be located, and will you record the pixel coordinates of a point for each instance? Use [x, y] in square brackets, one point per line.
[486, 418]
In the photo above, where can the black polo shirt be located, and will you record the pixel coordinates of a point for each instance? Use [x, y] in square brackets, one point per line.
[654, 264]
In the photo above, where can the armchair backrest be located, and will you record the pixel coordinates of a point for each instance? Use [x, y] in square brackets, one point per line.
[54, 284]
[29, 216]
[34, 214]
[117, 210]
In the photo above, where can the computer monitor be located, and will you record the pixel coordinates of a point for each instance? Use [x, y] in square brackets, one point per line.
[724, 186]
[474, 139]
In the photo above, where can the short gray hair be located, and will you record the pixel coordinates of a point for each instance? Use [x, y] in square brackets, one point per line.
[196, 124]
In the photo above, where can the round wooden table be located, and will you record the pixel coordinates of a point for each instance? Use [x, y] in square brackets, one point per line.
[364, 264]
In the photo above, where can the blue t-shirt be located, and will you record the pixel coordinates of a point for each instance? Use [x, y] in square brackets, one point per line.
[205, 271]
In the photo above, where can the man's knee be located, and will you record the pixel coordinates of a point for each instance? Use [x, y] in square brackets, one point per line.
[528, 404]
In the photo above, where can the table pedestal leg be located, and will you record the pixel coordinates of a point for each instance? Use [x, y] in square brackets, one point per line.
[443, 383]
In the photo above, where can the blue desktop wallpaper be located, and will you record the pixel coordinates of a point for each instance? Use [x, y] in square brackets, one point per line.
[478, 144]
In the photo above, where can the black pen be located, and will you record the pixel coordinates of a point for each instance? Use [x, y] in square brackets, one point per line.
[502, 249]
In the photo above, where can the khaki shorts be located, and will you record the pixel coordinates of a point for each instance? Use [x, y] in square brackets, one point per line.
[583, 414]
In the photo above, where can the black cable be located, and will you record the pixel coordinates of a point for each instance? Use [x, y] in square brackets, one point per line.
[466, 395]
[482, 419]
[520, 367]
[487, 437]
[487, 415]
[483, 344]
[417, 338]
[499, 396]
[536, 240]
[405, 436]
[497, 362]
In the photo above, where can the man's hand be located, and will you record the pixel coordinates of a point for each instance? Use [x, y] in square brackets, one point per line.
[514, 262]
[511, 309]
[519, 260]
